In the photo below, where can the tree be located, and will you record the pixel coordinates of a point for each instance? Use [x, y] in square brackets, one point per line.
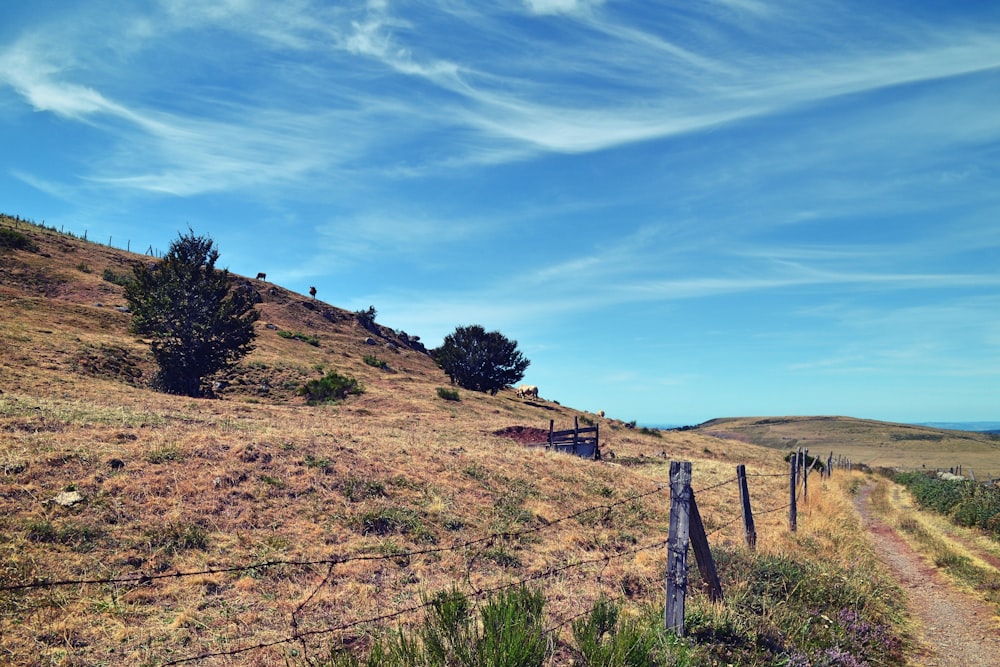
[480, 361]
[198, 324]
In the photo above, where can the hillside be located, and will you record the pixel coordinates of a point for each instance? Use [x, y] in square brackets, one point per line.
[874, 443]
[251, 528]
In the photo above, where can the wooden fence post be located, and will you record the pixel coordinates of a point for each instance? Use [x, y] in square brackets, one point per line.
[749, 531]
[829, 466]
[677, 547]
[792, 518]
[703, 553]
[576, 434]
[805, 475]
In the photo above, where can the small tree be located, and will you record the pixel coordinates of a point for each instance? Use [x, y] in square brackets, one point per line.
[199, 325]
[480, 361]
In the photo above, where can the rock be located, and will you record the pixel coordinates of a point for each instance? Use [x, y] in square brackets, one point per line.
[116, 464]
[68, 498]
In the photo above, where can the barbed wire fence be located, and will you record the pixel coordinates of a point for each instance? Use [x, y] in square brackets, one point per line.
[299, 634]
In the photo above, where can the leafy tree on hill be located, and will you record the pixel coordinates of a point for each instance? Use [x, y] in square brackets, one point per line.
[198, 324]
[480, 361]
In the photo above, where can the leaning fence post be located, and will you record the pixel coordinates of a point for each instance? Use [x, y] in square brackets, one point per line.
[805, 475]
[703, 553]
[677, 547]
[792, 519]
[749, 531]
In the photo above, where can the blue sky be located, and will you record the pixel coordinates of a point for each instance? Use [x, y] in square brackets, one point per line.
[679, 210]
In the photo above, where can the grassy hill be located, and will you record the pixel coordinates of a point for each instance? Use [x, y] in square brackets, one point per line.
[874, 443]
[209, 526]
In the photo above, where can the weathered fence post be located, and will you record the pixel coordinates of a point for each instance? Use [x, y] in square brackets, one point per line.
[805, 475]
[677, 547]
[749, 531]
[792, 518]
[703, 553]
[576, 434]
[829, 466]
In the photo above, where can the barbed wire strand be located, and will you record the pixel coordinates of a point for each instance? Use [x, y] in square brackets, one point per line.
[143, 578]
[307, 634]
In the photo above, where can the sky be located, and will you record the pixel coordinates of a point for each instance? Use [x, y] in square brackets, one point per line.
[679, 210]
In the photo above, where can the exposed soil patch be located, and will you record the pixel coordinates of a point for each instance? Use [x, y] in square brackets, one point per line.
[524, 434]
[956, 628]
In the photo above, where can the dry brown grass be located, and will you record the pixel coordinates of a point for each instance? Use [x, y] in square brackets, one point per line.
[398, 475]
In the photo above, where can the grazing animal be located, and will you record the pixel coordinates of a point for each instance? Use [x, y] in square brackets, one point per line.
[600, 413]
[312, 292]
[261, 276]
[526, 390]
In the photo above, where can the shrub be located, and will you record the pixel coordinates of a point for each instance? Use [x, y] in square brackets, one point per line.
[15, 240]
[372, 360]
[448, 394]
[367, 318]
[480, 361]
[111, 276]
[331, 388]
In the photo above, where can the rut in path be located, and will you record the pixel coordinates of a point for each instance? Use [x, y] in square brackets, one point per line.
[955, 628]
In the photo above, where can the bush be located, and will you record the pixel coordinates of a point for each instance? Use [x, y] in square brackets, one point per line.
[366, 318]
[448, 394]
[331, 388]
[15, 240]
[198, 325]
[480, 361]
[111, 276]
[372, 360]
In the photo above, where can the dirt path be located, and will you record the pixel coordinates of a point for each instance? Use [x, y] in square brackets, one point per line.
[956, 629]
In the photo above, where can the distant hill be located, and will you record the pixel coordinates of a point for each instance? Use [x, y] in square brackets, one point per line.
[875, 443]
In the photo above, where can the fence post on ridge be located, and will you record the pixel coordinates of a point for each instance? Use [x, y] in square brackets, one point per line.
[677, 546]
[749, 531]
